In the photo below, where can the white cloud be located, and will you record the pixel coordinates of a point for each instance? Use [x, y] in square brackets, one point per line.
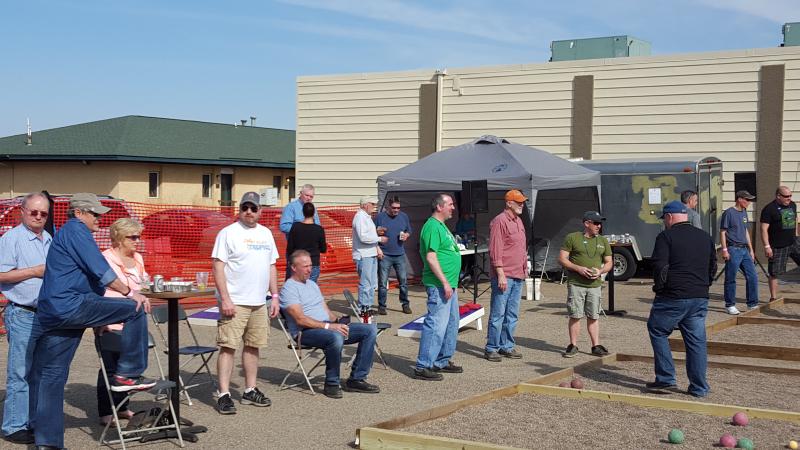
[778, 11]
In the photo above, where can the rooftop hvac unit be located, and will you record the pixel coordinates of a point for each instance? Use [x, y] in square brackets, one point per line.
[791, 34]
[602, 47]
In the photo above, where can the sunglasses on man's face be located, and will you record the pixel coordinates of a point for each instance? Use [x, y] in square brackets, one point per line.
[597, 223]
[37, 213]
[785, 196]
[252, 208]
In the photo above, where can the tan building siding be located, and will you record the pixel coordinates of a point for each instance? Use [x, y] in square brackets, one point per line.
[352, 128]
[180, 183]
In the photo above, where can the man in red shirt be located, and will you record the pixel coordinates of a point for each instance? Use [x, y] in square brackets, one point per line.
[509, 260]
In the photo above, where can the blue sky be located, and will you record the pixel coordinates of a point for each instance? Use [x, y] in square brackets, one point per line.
[72, 61]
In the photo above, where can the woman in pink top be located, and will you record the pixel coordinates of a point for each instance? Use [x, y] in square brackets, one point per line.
[129, 267]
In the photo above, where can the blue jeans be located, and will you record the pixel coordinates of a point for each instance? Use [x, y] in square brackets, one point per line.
[503, 315]
[314, 272]
[23, 333]
[367, 279]
[740, 258]
[384, 266]
[56, 348]
[689, 315]
[332, 342]
[439, 330]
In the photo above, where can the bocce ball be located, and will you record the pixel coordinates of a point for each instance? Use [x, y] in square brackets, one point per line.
[675, 436]
[745, 443]
[727, 441]
[793, 445]
[740, 419]
[564, 384]
[576, 383]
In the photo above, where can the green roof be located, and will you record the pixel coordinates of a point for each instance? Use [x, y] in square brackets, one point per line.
[154, 139]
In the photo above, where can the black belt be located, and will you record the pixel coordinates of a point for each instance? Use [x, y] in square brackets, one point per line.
[25, 307]
[738, 245]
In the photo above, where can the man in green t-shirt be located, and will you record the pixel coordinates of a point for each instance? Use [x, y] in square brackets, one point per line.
[587, 256]
[442, 263]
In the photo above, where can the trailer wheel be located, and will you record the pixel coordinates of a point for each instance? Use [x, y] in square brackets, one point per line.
[624, 264]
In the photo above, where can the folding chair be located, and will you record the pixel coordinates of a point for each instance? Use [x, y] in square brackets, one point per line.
[159, 314]
[111, 341]
[540, 264]
[382, 326]
[297, 349]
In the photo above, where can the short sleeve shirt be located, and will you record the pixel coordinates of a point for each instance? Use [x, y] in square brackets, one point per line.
[436, 237]
[248, 253]
[586, 252]
[308, 296]
[735, 224]
[782, 221]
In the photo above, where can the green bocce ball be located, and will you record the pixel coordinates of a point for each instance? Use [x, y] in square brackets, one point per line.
[745, 443]
[675, 436]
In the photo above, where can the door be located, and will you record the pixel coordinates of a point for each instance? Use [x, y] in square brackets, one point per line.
[225, 189]
[709, 193]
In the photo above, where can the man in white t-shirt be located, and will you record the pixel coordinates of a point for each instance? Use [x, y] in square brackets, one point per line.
[243, 262]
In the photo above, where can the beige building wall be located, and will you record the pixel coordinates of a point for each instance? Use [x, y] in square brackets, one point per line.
[180, 183]
[353, 128]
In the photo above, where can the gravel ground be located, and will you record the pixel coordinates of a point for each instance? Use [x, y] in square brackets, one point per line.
[542, 421]
[541, 337]
[759, 334]
[728, 386]
[785, 311]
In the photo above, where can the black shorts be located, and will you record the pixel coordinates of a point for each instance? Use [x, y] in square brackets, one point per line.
[777, 265]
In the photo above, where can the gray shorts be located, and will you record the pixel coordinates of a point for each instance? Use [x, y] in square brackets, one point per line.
[583, 302]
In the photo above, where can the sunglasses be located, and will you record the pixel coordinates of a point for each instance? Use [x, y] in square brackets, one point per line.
[597, 223]
[252, 208]
[37, 213]
[133, 237]
[785, 196]
[394, 207]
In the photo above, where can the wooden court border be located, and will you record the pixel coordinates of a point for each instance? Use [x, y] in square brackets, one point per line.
[385, 435]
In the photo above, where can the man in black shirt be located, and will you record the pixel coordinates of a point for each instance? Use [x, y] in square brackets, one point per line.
[308, 236]
[684, 262]
[778, 233]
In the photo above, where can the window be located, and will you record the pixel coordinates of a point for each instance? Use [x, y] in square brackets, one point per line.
[277, 182]
[206, 185]
[154, 182]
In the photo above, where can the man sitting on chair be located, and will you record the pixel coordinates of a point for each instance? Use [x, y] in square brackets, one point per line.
[311, 323]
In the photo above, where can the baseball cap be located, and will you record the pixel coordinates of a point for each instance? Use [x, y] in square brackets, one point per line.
[251, 197]
[87, 201]
[593, 216]
[745, 195]
[515, 196]
[673, 207]
[369, 199]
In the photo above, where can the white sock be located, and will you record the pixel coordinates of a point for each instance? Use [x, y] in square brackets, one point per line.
[249, 389]
[223, 394]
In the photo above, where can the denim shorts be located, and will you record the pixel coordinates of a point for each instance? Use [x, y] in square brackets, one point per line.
[583, 302]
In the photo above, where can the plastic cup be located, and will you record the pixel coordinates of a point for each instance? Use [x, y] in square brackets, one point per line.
[202, 279]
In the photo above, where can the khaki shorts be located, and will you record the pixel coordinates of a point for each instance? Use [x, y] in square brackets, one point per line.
[250, 325]
[583, 302]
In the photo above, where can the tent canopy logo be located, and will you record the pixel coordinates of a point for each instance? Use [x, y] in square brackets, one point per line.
[499, 168]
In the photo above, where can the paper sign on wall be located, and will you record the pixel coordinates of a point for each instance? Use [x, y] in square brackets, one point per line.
[654, 196]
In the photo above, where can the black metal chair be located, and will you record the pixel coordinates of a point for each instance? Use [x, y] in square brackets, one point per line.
[382, 326]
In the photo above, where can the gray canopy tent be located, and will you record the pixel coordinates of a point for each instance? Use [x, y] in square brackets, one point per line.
[558, 190]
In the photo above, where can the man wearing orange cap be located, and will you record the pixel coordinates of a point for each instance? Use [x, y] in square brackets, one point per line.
[509, 260]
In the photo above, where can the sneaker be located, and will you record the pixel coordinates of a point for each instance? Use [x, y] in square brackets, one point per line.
[512, 354]
[599, 350]
[752, 308]
[406, 309]
[20, 437]
[255, 398]
[332, 391]
[427, 374]
[660, 385]
[449, 368]
[732, 310]
[361, 386]
[571, 351]
[125, 384]
[492, 356]
[225, 404]
[382, 310]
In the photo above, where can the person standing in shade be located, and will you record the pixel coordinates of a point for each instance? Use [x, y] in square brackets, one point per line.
[366, 251]
[779, 235]
[441, 265]
[23, 251]
[684, 262]
[293, 212]
[397, 228]
[308, 236]
[509, 262]
[737, 250]
[587, 256]
[689, 198]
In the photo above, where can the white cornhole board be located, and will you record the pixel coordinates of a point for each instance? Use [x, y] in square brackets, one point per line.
[414, 328]
[207, 317]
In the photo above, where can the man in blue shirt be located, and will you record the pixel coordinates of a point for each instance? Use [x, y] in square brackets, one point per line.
[22, 256]
[393, 224]
[312, 323]
[75, 278]
[737, 250]
[293, 212]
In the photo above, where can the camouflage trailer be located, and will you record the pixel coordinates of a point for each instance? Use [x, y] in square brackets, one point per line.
[633, 192]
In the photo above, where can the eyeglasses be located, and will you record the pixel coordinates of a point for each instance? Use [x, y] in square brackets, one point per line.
[94, 214]
[394, 207]
[252, 208]
[597, 223]
[134, 237]
[37, 213]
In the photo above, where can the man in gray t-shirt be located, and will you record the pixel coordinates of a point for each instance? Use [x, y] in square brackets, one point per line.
[689, 198]
[737, 250]
[312, 323]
